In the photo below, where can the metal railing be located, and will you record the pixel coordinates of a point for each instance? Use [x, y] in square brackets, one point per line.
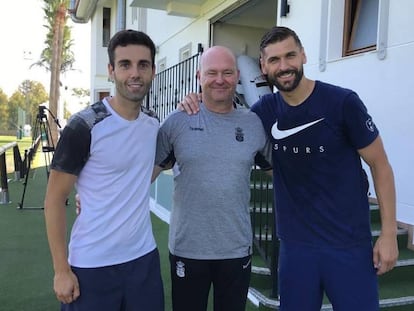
[262, 214]
[4, 188]
[171, 85]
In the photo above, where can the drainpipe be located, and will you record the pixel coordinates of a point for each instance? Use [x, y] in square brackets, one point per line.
[121, 13]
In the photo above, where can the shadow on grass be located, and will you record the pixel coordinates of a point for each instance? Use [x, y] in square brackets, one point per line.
[26, 273]
[25, 265]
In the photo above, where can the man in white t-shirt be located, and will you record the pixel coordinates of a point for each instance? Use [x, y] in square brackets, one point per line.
[107, 151]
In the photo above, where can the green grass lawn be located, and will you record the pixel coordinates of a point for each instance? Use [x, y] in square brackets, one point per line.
[26, 274]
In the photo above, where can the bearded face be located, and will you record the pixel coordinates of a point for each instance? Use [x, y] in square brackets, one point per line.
[287, 80]
[282, 62]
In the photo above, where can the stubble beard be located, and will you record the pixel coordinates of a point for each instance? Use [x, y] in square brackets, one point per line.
[122, 89]
[273, 79]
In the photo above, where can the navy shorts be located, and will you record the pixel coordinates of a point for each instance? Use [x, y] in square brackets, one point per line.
[131, 286]
[191, 281]
[346, 276]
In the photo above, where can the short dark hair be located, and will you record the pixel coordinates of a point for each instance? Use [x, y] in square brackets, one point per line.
[277, 34]
[128, 37]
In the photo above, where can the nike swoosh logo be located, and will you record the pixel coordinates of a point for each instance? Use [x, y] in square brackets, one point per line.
[247, 264]
[280, 134]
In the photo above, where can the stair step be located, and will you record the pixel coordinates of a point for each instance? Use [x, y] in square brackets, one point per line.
[266, 271]
[405, 263]
[260, 270]
[263, 300]
[275, 303]
[400, 231]
[375, 233]
[384, 303]
[401, 301]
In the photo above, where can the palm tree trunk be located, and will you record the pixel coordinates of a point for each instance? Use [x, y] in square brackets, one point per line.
[56, 63]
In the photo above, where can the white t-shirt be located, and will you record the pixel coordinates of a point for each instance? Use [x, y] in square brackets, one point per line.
[113, 159]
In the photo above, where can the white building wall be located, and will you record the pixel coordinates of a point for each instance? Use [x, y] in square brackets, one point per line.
[242, 39]
[385, 86]
[172, 33]
[99, 66]
[176, 33]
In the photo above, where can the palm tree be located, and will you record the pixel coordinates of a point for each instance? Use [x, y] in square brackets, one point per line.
[57, 56]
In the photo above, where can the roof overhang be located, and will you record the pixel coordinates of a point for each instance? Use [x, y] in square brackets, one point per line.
[81, 11]
[184, 8]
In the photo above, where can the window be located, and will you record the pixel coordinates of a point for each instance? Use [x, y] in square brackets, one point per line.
[134, 14]
[162, 64]
[106, 26]
[103, 94]
[360, 26]
[185, 52]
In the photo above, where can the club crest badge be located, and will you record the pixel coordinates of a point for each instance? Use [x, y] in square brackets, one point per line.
[239, 134]
[180, 269]
[370, 125]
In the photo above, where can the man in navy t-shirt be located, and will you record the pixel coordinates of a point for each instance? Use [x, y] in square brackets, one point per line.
[319, 133]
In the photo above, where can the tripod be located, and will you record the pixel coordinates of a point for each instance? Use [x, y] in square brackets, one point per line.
[42, 135]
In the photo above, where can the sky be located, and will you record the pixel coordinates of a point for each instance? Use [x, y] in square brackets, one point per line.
[22, 35]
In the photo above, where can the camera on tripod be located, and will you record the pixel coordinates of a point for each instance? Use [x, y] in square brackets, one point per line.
[42, 136]
[42, 125]
[41, 114]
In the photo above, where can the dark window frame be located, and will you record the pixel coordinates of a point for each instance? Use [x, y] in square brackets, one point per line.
[353, 26]
[106, 26]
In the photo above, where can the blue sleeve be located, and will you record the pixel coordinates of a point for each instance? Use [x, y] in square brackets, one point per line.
[360, 128]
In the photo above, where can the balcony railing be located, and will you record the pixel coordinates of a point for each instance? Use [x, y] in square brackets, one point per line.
[172, 84]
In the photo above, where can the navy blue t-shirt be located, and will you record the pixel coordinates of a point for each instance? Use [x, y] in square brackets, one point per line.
[320, 187]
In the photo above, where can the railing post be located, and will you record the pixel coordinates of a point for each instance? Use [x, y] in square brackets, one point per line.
[25, 162]
[17, 163]
[4, 193]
